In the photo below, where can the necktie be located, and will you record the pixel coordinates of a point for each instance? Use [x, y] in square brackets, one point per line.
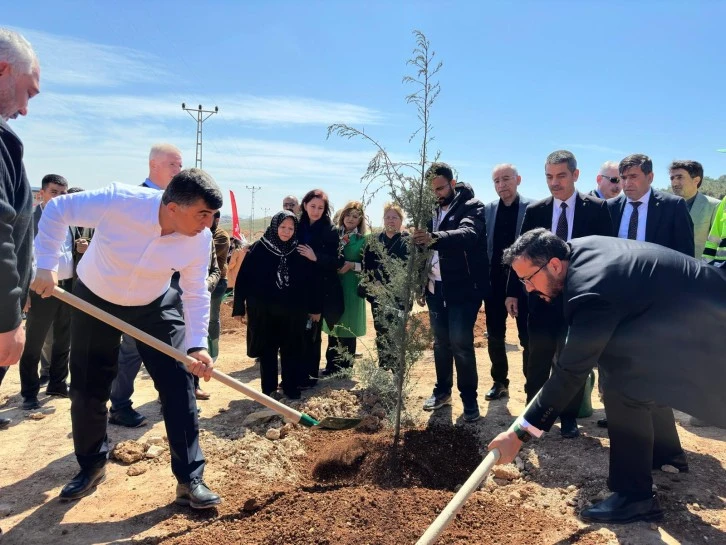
[562, 222]
[633, 225]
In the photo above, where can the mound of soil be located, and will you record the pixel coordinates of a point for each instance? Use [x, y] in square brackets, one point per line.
[229, 324]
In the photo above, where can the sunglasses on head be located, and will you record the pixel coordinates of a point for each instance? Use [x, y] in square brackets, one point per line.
[613, 180]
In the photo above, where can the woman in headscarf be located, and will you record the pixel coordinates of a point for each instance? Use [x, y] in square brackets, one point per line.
[278, 292]
[342, 337]
[319, 243]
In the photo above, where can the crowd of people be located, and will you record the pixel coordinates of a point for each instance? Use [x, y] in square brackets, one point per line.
[171, 266]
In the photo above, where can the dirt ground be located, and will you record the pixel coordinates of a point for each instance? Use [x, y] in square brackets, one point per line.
[318, 487]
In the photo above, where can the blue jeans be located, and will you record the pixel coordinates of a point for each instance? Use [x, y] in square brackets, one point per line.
[129, 363]
[453, 328]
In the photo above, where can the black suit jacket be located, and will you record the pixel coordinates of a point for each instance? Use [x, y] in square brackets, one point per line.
[653, 319]
[668, 223]
[591, 218]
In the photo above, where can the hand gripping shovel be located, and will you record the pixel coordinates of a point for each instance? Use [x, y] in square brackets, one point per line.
[457, 502]
[290, 414]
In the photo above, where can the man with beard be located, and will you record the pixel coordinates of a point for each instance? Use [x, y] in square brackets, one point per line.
[620, 306]
[458, 282]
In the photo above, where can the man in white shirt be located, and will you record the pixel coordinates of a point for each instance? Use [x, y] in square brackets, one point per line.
[165, 162]
[126, 272]
[46, 313]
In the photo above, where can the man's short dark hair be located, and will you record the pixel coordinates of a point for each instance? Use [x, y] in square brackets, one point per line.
[53, 179]
[636, 160]
[190, 185]
[562, 156]
[439, 169]
[539, 246]
[694, 168]
[72, 190]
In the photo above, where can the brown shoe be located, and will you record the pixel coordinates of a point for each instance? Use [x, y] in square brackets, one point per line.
[201, 394]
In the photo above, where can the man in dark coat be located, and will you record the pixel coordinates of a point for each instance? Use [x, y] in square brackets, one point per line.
[569, 214]
[19, 82]
[458, 283]
[621, 299]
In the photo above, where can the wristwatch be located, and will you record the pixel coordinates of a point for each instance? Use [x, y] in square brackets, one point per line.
[522, 434]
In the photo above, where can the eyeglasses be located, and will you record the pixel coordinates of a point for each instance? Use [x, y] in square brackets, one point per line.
[613, 180]
[528, 280]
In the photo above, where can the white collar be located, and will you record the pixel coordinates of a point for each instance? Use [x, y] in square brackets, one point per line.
[570, 201]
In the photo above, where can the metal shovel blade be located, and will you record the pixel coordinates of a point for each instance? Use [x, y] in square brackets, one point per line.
[338, 423]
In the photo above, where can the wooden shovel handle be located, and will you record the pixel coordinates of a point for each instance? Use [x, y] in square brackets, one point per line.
[84, 306]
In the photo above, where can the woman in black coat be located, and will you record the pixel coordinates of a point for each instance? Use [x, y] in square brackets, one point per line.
[278, 290]
[393, 242]
[319, 242]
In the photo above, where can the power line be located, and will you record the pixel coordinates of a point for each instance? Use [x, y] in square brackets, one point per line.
[253, 189]
[199, 117]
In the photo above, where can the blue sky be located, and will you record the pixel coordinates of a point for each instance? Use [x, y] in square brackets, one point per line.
[520, 79]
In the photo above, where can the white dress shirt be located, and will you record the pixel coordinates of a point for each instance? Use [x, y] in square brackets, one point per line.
[569, 214]
[65, 261]
[642, 217]
[129, 262]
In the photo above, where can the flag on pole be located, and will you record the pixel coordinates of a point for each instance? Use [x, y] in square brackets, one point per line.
[236, 233]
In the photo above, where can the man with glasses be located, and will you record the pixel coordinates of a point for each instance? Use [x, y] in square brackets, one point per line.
[504, 218]
[622, 299]
[569, 214]
[608, 181]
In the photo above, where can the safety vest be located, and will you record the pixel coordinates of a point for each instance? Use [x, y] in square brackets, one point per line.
[715, 251]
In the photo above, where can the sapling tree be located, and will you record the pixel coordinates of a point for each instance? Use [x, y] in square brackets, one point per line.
[401, 282]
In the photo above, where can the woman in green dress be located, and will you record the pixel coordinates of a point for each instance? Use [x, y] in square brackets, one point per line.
[342, 338]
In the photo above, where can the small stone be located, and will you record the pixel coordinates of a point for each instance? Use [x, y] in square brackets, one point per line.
[128, 452]
[369, 424]
[36, 416]
[667, 468]
[696, 507]
[653, 526]
[155, 440]
[259, 417]
[379, 412]
[155, 451]
[250, 505]
[136, 470]
[507, 472]
[519, 464]
[571, 488]
[273, 434]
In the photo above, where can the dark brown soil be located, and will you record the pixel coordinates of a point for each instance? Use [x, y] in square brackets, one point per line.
[229, 324]
[359, 492]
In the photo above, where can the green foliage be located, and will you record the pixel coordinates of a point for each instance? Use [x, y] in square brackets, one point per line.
[407, 186]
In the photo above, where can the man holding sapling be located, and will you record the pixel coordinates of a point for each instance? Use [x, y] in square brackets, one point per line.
[458, 282]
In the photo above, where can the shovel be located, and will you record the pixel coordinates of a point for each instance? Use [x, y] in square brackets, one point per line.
[290, 414]
[472, 483]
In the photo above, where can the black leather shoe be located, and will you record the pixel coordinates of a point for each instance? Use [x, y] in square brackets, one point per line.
[619, 509]
[126, 417]
[196, 495]
[498, 391]
[83, 484]
[60, 390]
[568, 428]
[4, 423]
[602, 423]
[30, 403]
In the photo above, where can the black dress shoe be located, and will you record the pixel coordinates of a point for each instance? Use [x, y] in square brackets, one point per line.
[619, 509]
[602, 423]
[83, 484]
[30, 403]
[58, 390]
[196, 495]
[126, 417]
[498, 391]
[4, 423]
[568, 428]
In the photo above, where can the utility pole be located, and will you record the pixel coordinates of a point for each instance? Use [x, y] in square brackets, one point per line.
[253, 189]
[199, 117]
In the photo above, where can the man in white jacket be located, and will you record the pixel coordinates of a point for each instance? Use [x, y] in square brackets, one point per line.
[142, 237]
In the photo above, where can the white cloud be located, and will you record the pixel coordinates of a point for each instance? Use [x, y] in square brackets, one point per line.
[72, 62]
